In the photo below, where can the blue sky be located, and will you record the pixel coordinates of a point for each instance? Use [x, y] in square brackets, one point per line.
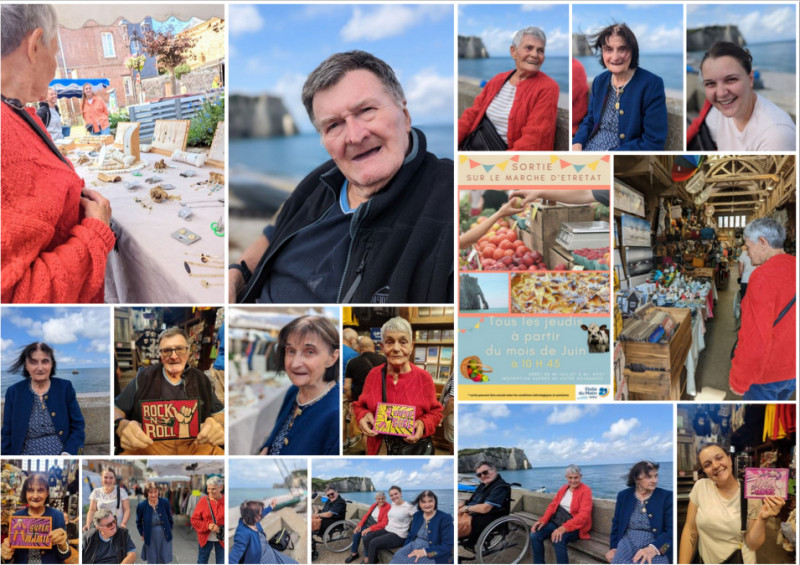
[412, 474]
[273, 48]
[494, 287]
[560, 434]
[658, 27]
[261, 473]
[80, 336]
[496, 25]
[759, 23]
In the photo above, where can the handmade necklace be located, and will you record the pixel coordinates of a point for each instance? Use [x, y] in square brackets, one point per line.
[618, 90]
[189, 270]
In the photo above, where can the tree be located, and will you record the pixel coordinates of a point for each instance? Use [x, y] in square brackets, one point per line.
[169, 49]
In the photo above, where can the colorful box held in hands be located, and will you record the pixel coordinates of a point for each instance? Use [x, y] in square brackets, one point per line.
[171, 419]
[26, 532]
[395, 419]
[760, 482]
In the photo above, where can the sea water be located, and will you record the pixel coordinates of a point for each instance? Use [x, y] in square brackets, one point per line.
[668, 66]
[235, 496]
[93, 379]
[557, 68]
[776, 56]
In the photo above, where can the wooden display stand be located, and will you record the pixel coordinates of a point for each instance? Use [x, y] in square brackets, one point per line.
[666, 374]
[127, 139]
[170, 136]
[216, 155]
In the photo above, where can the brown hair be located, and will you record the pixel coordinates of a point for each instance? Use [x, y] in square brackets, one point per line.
[320, 326]
[250, 511]
[39, 478]
[27, 355]
[600, 39]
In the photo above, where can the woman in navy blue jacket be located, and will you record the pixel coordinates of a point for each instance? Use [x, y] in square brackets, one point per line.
[628, 108]
[154, 522]
[35, 495]
[250, 544]
[41, 415]
[430, 537]
[641, 531]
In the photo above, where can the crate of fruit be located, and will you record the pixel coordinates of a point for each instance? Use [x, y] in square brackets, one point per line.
[593, 259]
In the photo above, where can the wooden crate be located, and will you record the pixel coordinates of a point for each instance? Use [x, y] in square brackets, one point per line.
[547, 224]
[655, 385]
[558, 254]
[704, 272]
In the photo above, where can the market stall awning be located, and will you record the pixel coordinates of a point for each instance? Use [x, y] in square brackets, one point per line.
[75, 16]
[73, 87]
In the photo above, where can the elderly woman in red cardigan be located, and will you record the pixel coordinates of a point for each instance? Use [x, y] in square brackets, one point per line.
[404, 384]
[567, 518]
[521, 105]
[55, 233]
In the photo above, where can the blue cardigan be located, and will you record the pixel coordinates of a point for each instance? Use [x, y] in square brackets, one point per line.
[659, 510]
[440, 544]
[62, 403]
[315, 431]
[144, 519]
[246, 545]
[642, 112]
[48, 555]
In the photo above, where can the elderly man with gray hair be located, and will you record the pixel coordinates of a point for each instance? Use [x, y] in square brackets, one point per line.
[567, 518]
[516, 110]
[764, 359]
[108, 543]
[372, 225]
[208, 520]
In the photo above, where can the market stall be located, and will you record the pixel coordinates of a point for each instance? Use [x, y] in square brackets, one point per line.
[676, 240]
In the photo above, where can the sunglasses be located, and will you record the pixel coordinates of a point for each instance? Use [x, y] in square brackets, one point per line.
[330, 494]
[480, 474]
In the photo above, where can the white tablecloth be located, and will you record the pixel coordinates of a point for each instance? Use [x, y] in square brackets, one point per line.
[148, 266]
[692, 358]
[251, 424]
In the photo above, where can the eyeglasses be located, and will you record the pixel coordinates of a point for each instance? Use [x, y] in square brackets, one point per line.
[485, 473]
[330, 494]
[111, 524]
[168, 351]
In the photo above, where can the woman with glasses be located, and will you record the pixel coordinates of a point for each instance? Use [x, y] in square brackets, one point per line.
[112, 497]
[108, 543]
[308, 350]
[154, 522]
[194, 426]
[35, 495]
[41, 414]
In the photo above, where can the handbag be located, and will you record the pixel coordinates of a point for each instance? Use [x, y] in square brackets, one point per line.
[282, 540]
[398, 446]
[775, 323]
[483, 138]
[560, 517]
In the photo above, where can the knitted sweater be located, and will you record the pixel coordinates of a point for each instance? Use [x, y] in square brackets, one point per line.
[414, 388]
[50, 252]
[532, 120]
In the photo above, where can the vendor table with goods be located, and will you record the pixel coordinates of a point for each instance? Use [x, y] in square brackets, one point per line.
[253, 405]
[169, 221]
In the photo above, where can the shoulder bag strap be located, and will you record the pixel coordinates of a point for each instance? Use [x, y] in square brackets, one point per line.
[383, 384]
[743, 509]
[785, 310]
[118, 500]
[213, 518]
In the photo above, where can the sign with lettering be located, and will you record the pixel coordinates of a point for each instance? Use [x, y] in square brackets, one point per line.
[760, 482]
[171, 419]
[31, 533]
[395, 419]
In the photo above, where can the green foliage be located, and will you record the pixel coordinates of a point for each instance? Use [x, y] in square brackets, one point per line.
[181, 70]
[115, 118]
[204, 123]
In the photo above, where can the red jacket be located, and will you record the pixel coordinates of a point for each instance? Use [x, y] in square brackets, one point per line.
[414, 388]
[767, 354]
[580, 508]
[532, 120]
[51, 252]
[580, 94]
[201, 518]
[383, 518]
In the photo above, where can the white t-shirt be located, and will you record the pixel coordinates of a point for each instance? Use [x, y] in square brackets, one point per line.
[769, 129]
[109, 501]
[54, 127]
[400, 518]
[566, 502]
[747, 264]
[719, 522]
[500, 108]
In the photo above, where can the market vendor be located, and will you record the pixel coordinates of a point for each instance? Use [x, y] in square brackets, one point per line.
[55, 233]
[764, 358]
[374, 223]
[170, 380]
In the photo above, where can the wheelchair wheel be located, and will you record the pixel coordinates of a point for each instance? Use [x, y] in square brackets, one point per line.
[339, 536]
[505, 540]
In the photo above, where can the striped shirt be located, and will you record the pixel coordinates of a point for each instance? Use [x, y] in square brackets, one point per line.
[498, 110]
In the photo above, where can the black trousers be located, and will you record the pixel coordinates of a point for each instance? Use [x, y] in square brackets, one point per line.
[374, 542]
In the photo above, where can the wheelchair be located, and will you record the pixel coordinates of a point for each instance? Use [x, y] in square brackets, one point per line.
[338, 537]
[505, 540]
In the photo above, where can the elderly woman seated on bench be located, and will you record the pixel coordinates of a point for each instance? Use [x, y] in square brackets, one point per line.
[491, 500]
[567, 518]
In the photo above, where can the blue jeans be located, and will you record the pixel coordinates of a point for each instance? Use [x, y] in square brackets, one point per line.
[104, 131]
[356, 541]
[780, 390]
[537, 543]
[205, 552]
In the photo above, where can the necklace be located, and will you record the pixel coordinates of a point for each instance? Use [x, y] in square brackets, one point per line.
[298, 409]
[206, 264]
[313, 400]
[189, 271]
[206, 284]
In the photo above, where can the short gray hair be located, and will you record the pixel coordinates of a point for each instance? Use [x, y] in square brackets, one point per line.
[396, 324]
[573, 470]
[769, 229]
[18, 20]
[171, 332]
[380, 494]
[532, 31]
[100, 515]
[332, 69]
[215, 481]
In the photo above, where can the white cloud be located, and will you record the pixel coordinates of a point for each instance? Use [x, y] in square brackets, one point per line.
[495, 410]
[388, 20]
[290, 87]
[536, 7]
[89, 323]
[98, 346]
[621, 428]
[6, 344]
[566, 415]
[433, 464]
[245, 18]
